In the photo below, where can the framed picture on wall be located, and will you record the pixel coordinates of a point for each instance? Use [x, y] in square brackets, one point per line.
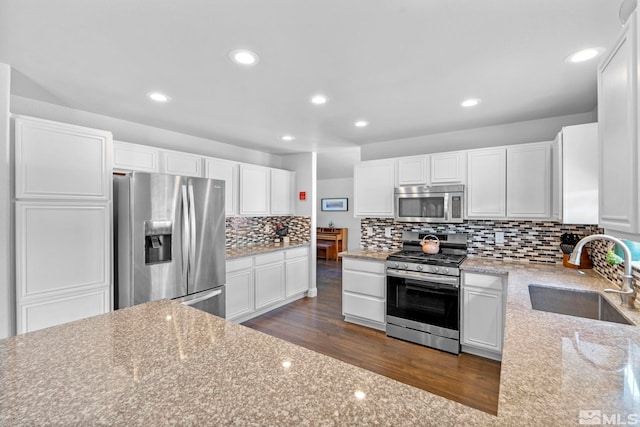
[335, 204]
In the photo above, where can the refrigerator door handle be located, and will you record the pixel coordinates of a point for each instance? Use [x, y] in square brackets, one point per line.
[192, 232]
[185, 234]
[202, 297]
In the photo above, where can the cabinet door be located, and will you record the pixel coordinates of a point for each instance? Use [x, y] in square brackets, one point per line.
[61, 161]
[482, 318]
[269, 284]
[580, 174]
[61, 247]
[184, 164]
[134, 157]
[617, 117]
[297, 276]
[412, 170]
[255, 194]
[448, 167]
[228, 172]
[282, 192]
[364, 307]
[487, 183]
[529, 181]
[373, 188]
[239, 293]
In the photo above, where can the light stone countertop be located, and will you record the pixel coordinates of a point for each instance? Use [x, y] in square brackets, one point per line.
[245, 251]
[367, 253]
[162, 363]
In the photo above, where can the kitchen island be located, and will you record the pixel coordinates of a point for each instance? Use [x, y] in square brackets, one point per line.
[162, 363]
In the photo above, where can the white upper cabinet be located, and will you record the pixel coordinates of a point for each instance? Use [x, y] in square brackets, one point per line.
[61, 161]
[486, 183]
[255, 190]
[448, 168]
[177, 163]
[575, 174]
[412, 170]
[134, 157]
[282, 192]
[373, 183]
[529, 180]
[618, 134]
[228, 172]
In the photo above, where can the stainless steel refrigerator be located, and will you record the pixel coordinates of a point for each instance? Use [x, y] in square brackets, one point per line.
[169, 240]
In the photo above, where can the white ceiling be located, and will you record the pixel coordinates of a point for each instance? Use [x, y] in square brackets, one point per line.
[403, 65]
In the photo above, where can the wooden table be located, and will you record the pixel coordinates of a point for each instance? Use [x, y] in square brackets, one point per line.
[336, 236]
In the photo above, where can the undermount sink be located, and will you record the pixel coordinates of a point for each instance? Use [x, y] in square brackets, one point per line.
[573, 302]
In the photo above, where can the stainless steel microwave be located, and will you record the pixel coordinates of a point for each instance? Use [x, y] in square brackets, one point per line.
[423, 203]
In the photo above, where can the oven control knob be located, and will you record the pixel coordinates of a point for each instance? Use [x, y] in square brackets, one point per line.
[435, 270]
[445, 270]
[396, 265]
[419, 268]
[405, 266]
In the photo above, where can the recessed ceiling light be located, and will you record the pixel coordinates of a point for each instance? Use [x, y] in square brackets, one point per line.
[244, 57]
[584, 55]
[158, 97]
[361, 123]
[288, 138]
[471, 102]
[319, 99]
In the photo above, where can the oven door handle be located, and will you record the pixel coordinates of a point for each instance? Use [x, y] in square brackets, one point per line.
[452, 281]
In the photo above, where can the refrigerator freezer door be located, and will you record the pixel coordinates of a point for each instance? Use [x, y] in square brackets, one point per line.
[156, 197]
[207, 220]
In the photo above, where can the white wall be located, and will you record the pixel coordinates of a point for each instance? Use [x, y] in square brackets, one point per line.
[137, 133]
[306, 167]
[339, 188]
[7, 288]
[490, 136]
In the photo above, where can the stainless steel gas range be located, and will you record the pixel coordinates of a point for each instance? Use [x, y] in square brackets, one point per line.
[423, 300]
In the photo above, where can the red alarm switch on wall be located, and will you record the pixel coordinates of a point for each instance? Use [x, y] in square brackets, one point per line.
[303, 195]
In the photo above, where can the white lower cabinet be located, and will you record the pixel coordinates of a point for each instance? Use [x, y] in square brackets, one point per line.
[258, 284]
[364, 292]
[239, 290]
[269, 276]
[483, 310]
[297, 271]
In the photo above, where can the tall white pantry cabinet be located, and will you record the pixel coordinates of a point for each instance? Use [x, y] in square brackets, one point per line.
[63, 223]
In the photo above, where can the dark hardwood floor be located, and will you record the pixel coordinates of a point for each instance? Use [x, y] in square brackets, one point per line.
[317, 324]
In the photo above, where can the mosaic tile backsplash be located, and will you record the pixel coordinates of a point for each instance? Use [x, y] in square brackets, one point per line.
[529, 241]
[523, 240]
[246, 231]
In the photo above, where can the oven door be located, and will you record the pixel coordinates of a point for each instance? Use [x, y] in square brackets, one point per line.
[424, 298]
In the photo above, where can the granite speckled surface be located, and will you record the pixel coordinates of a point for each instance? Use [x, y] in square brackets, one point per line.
[162, 363]
[367, 253]
[555, 366]
[244, 251]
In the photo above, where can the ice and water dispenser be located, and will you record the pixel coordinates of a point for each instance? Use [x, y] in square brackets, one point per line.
[157, 241]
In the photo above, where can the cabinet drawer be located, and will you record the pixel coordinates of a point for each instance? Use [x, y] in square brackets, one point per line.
[377, 267]
[363, 283]
[297, 253]
[239, 264]
[269, 258]
[487, 281]
[363, 306]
